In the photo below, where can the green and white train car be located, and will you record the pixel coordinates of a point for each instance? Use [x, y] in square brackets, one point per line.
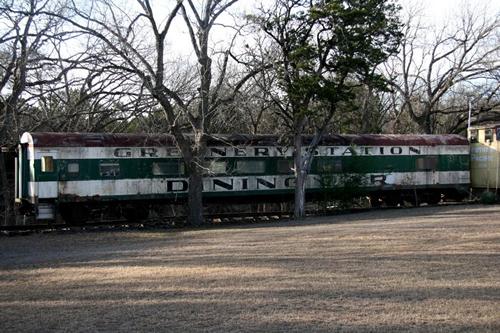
[72, 173]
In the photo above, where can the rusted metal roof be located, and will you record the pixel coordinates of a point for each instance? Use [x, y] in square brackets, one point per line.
[40, 139]
[45, 139]
[395, 140]
[352, 139]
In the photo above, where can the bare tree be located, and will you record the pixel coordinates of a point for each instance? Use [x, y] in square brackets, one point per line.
[137, 44]
[436, 63]
[95, 100]
[253, 110]
[25, 40]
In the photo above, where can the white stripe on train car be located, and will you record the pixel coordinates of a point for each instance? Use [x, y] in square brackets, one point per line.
[46, 189]
[248, 151]
[148, 186]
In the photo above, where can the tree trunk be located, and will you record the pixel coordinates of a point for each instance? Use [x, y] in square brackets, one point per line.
[5, 191]
[300, 194]
[425, 125]
[195, 198]
[4, 138]
[194, 154]
[300, 179]
[367, 124]
[302, 163]
[425, 121]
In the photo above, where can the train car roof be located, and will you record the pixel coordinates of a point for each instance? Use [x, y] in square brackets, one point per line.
[45, 139]
[55, 139]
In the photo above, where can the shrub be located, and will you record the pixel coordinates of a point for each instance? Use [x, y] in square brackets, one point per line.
[488, 198]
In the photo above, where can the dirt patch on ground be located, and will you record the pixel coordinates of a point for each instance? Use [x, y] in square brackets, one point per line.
[414, 270]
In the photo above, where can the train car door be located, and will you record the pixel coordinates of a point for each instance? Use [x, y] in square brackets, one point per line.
[22, 173]
[47, 177]
[428, 166]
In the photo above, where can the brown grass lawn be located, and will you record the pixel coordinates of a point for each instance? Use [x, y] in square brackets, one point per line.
[416, 270]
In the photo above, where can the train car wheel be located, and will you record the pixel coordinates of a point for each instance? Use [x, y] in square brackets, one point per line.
[433, 198]
[375, 201]
[74, 214]
[393, 200]
[136, 213]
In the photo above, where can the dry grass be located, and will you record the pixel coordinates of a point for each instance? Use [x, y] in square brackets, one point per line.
[425, 270]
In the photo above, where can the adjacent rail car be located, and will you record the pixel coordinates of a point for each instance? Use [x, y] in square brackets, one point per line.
[70, 174]
[485, 157]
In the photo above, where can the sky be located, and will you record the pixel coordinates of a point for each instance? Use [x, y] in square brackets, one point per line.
[442, 10]
[434, 12]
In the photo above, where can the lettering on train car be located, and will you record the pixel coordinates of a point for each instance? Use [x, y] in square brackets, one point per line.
[414, 150]
[216, 151]
[378, 179]
[223, 184]
[278, 151]
[149, 152]
[235, 184]
[173, 152]
[266, 184]
[396, 150]
[123, 152]
[264, 151]
[180, 185]
[144, 152]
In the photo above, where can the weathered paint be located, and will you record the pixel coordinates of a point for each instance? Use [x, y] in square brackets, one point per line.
[45, 190]
[147, 186]
[144, 140]
[384, 161]
[248, 152]
[96, 140]
[89, 169]
[485, 159]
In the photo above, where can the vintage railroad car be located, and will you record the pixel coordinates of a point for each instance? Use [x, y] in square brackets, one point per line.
[71, 174]
[485, 157]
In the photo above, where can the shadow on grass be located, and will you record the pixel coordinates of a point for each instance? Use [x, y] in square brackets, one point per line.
[331, 279]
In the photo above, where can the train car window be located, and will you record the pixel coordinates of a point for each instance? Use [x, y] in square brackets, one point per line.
[173, 168]
[109, 169]
[246, 166]
[216, 167]
[427, 163]
[73, 168]
[329, 166]
[47, 164]
[488, 134]
[284, 166]
[473, 136]
[498, 134]
[337, 166]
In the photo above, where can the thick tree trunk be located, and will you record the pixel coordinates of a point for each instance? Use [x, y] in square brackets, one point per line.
[425, 121]
[302, 163]
[195, 196]
[367, 125]
[428, 126]
[4, 182]
[300, 195]
[300, 179]
[425, 124]
[193, 153]
[5, 191]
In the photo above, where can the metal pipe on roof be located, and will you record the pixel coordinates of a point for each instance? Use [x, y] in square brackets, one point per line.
[470, 111]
